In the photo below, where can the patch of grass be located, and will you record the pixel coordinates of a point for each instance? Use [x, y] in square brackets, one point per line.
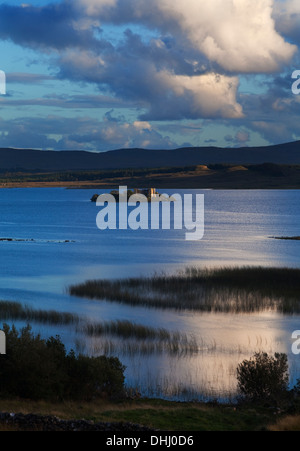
[193, 418]
[154, 413]
[236, 289]
[288, 423]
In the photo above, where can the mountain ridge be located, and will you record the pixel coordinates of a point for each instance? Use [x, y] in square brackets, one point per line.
[67, 160]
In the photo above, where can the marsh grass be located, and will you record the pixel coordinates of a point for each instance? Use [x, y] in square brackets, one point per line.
[10, 310]
[236, 289]
[174, 348]
[128, 329]
[139, 339]
[133, 338]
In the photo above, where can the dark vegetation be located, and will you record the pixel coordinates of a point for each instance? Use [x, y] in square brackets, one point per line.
[263, 377]
[241, 289]
[35, 368]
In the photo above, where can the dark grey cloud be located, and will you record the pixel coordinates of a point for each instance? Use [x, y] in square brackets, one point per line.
[49, 27]
[80, 133]
[240, 139]
[287, 18]
[25, 78]
[66, 101]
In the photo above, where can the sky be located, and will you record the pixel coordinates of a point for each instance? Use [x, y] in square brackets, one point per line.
[99, 75]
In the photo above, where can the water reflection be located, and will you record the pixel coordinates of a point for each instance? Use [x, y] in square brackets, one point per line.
[238, 227]
[224, 340]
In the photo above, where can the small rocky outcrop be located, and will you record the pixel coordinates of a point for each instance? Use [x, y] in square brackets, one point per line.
[94, 198]
[33, 422]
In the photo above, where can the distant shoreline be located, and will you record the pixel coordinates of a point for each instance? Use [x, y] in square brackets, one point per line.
[88, 186]
[215, 176]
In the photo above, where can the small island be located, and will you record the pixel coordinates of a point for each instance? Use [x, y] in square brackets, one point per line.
[149, 193]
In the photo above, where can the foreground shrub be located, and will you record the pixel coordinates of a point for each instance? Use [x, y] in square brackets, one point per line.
[35, 368]
[263, 377]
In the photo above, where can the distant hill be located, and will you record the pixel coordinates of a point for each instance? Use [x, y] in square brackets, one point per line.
[38, 160]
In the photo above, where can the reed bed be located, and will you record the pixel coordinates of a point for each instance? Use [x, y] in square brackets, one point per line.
[135, 338]
[128, 329]
[140, 339]
[10, 310]
[232, 290]
[133, 348]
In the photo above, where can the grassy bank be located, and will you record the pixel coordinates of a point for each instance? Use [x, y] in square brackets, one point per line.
[162, 415]
[232, 290]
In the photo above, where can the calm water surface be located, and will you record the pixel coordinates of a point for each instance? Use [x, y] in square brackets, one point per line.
[238, 230]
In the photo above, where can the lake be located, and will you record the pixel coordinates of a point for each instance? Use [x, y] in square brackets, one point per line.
[57, 243]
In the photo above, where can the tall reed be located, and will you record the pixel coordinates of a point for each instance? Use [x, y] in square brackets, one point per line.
[128, 329]
[137, 338]
[236, 289]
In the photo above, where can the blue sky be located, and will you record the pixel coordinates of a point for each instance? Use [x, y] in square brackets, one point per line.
[106, 74]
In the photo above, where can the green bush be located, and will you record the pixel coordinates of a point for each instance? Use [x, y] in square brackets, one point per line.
[94, 377]
[35, 368]
[263, 377]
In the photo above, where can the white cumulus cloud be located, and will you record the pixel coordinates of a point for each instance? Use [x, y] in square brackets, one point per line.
[238, 35]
